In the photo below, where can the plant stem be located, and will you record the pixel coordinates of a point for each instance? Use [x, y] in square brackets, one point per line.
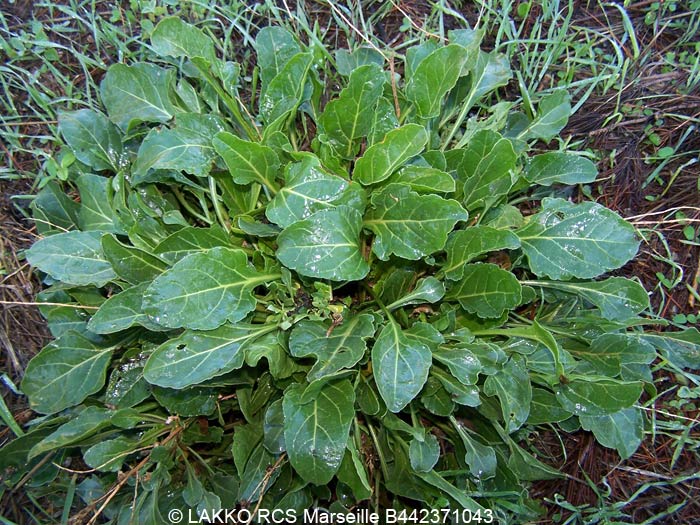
[217, 206]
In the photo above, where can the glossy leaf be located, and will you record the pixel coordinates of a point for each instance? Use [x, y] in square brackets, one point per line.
[173, 37]
[512, 387]
[316, 431]
[410, 225]
[73, 257]
[196, 356]
[204, 290]
[334, 349]
[137, 93]
[131, 264]
[424, 454]
[121, 311]
[462, 362]
[52, 209]
[108, 456]
[191, 240]
[622, 430]
[400, 364]
[556, 167]
[553, 113]
[464, 246]
[85, 424]
[545, 408]
[597, 397]
[385, 157]
[486, 290]
[427, 290]
[584, 240]
[326, 245]
[480, 458]
[286, 90]
[425, 179]
[95, 141]
[191, 402]
[275, 46]
[247, 161]
[608, 352]
[680, 348]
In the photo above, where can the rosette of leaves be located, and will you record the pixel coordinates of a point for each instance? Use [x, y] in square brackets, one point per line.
[320, 297]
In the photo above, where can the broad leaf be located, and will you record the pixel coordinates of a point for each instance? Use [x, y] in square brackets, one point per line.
[191, 240]
[400, 364]
[316, 431]
[334, 349]
[464, 246]
[185, 147]
[609, 352]
[275, 47]
[434, 77]
[287, 89]
[425, 179]
[204, 290]
[462, 362]
[584, 240]
[385, 157]
[349, 117]
[52, 209]
[597, 397]
[545, 408]
[173, 37]
[326, 245]
[408, 224]
[680, 348]
[65, 372]
[480, 458]
[85, 424]
[195, 356]
[137, 93]
[427, 290]
[73, 257]
[95, 141]
[247, 161]
[424, 454]
[108, 456]
[512, 387]
[192, 402]
[562, 168]
[131, 264]
[553, 113]
[486, 290]
[96, 213]
[622, 430]
[121, 311]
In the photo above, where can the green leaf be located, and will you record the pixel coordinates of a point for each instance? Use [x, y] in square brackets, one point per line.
[204, 290]
[408, 224]
[584, 240]
[464, 501]
[95, 141]
[424, 454]
[326, 245]
[73, 257]
[275, 47]
[486, 290]
[257, 470]
[383, 122]
[424, 179]
[341, 347]
[352, 472]
[400, 364]
[348, 61]
[486, 169]
[187, 146]
[434, 77]
[121, 311]
[464, 246]
[126, 387]
[316, 431]
[480, 458]
[53, 209]
[280, 363]
[287, 89]
[385, 157]
[553, 113]
[196, 356]
[464, 365]
[273, 428]
[307, 189]
[191, 240]
[427, 290]
[247, 161]
[108, 456]
[680, 348]
[608, 352]
[137, 93]
[512, 387]
[622, 430]
[96, 213]
[490, 71]
[131, 264]
[173, 37]
[245, 440]
[558, 167]
[65, 372]
[545, 408]
[597, 396]
[192, 402]
[85, 424]
[349, 117]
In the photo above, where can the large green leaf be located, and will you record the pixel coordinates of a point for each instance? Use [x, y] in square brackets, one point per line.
[349, 117]
[385, 157]
[138, 93]
[308, 188]
[425, 179]
[53, 209]
[584, 240]
[558, 167]
[597, 396]
[434, 77]
[287, 89]
[95, 141]
[191, 240]
[401, 365]
[316, 430]
[622, 430]
[512, 387]
[486, 169]
[609, 352]
[131, 264]
[275, 46]
[424, 453]
[326, 245]
[680, 348]
[462, 362]
[486, 290]
[185, 147]
[545, 408]
[553, 113]
[96, 212]
[427, 290]
[408, 224]
[108, 456]
[65, 372]
[464, 246]
[85, 424]
[204, 290]
[341, 347]
[121, 311]
[196, 356]
[173, 37]
[247, 161]
[480, 458]
[73, 257]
